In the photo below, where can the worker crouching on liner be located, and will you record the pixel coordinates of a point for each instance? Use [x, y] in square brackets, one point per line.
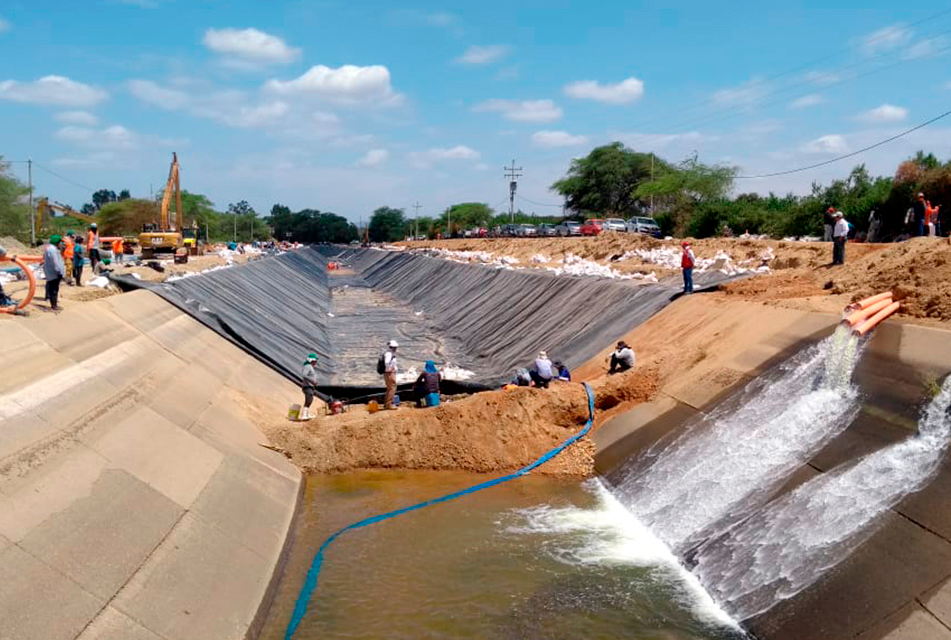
[309, 385]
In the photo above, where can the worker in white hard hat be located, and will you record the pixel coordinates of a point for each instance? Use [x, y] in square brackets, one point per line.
[390, 368]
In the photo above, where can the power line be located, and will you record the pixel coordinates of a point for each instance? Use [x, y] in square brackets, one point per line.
[848, 155]
[63, 178]
[539, 204]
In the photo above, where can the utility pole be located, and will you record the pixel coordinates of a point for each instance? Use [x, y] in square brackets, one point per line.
[512, 174]
[652, 180]
[29, 170]
[448, 222]
[416, 233]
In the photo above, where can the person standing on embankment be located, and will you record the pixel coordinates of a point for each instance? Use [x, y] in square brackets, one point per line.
[828, 221]
[390, 369]
[92, 245]
[687, 262]
[839, 237]
[309, 385]
[78, 258]
[918, 213]
[54, 269]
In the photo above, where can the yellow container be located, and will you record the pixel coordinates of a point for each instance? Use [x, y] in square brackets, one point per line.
[373, 406]
[294, 413]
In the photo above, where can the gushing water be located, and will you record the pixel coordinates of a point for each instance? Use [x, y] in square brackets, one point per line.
[728, 463]
[787, 546]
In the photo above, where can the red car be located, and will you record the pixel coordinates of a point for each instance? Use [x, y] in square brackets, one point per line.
[592, 227]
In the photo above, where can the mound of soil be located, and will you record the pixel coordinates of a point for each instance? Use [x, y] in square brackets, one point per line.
[487, 432]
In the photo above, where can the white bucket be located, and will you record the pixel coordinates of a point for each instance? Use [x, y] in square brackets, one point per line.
[293, 413]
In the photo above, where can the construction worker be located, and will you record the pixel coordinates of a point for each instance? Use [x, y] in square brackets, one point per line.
[54, 269]
[918, 216]
[309, 384]
[92, 246]
[542, 373]
[4, 300]
[390, 369]
[931, 218]
[828, 221]
[840, 234]
[117, 250]
[77, 261]
[687, 262]
[68, 255]
[622, 359]
[427, 386]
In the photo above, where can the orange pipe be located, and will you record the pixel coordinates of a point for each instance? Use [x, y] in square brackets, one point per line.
[869, 324]
[21, 261]
[857, 316]
[864, 304]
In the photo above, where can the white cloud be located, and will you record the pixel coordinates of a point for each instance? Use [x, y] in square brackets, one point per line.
[261, 115]
[116, 137]
[661, 141]
[810, 100]
[374, 158]
[885, 40]
[250, 47]
[885, 113]
[96, 159]
[481, 166]
[486, 54]
[4, 25]
[426, 159]
[622, 92]
[159, 96]
[52, 90]
[831, 144]
[348, 84]
[744, 95]
[821, 78]
[78, 117]
[551, 139]
[930, 48]
[441, 19]
[522, 110]
[761, 128]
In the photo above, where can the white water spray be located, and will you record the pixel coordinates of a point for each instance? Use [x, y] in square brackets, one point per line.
[787, 546]
[728, 463]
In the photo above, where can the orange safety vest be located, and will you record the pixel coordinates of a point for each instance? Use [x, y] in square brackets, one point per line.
[117, 246]
[68, 251]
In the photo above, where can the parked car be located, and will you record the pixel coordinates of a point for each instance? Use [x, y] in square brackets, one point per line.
[526, 231]
[643, 225]
[568, 228]
[476, 232]
[614, 224]
[508, 230]
[592, 227]
[547, 230]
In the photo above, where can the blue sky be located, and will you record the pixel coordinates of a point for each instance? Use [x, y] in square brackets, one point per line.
[346, 106]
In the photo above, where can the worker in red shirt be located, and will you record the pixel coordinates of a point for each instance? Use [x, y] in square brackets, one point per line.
[687, 262]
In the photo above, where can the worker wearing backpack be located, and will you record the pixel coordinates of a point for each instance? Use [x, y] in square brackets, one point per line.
[387, 366]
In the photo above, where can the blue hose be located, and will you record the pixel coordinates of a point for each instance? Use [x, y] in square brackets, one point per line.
[310, 583]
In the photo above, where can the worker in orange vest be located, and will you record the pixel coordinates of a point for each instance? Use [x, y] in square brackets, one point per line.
[117, 251]
[68, 254]
[92, 246]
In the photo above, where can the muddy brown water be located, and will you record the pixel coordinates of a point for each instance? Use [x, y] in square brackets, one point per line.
[495, 564]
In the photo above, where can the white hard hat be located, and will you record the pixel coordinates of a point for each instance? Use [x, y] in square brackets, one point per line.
[392, 344]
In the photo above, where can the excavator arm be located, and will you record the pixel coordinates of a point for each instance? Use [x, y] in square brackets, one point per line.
[44, 208]
[172, 184]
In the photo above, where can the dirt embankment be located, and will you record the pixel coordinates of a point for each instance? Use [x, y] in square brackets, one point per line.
[800, 274]
[70, 295]
[487, 432]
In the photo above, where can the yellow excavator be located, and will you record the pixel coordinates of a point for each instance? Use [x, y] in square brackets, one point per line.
[164, 237]
[45, 208]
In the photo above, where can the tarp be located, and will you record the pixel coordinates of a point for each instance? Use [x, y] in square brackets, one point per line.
[490, 321]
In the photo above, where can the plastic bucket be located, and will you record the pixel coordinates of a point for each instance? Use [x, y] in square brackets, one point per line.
[294, 412]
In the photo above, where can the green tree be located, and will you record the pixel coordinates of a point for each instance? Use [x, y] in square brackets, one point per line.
[679, 191]
[103, 197]
[605, 181]
[465, 215]
[124, 194]
[126, 217]
[387, 225]
[14, 208]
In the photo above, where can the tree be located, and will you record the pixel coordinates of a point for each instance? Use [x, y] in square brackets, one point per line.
[124, 195]
[466, 215]
[606, 180]
[387, 225]
[241, 208]
[14, 209]
[681, 190]
[126, 217]
[103, 197]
